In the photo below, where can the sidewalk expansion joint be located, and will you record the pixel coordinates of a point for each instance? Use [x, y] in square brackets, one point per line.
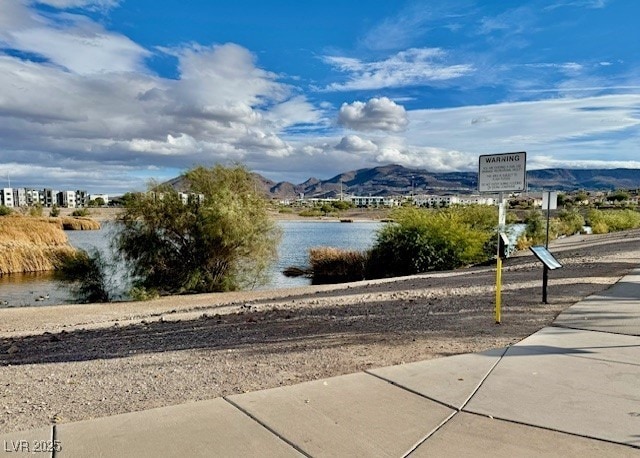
[555, 430]
[574, 328]
[268, 428]
[455, 408]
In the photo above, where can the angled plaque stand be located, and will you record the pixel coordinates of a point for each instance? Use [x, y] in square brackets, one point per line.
[550, 263]
[545, 257]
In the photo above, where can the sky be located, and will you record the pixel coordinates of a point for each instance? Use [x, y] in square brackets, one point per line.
[104, 95]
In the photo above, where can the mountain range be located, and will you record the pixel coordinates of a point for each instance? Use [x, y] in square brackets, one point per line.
[396, 179]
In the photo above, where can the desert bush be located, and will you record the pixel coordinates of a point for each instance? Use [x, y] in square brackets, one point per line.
[223, 243]
[80, 212]
[536, 229]
[4, 211]
[333, 265]
[86, 274]
[569, 222]
[423, 240]
[36, 210]
[310, 213]
[603, 221]
[54, 212]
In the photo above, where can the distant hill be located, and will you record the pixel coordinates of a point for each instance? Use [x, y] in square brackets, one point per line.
[396, 179]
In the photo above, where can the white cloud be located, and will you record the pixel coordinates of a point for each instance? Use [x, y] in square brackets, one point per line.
[89, 4]
[353, 143]
[74, 42]
[413, 67]
[376, 114]
[572, 128]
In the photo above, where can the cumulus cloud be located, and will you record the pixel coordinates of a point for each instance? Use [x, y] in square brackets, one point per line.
[376, 114]
[353, 143]
[104, 113]
[413, 67]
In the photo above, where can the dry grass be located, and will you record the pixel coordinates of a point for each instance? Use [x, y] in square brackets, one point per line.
[78, 223]
[31, 244]
[332, 265]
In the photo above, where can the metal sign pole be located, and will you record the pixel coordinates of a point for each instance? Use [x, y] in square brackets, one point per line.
[545, 269]
[501, 223]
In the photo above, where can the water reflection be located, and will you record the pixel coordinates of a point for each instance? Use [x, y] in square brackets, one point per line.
[31, 289]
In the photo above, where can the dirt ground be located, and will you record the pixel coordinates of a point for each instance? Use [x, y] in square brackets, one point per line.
[76, 362]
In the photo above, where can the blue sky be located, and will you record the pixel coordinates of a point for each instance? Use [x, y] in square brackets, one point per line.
[105, 94]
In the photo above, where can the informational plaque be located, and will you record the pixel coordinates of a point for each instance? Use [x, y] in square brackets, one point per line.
[545, 257]
[502, 172]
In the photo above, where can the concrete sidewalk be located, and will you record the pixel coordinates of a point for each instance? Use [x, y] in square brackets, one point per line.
[572, 389]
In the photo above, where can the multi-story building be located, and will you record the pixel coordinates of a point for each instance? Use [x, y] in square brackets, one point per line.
[67, 199]
[6, 197]
[19, 197]
[33, 197]
[104, 197]
[49, 197]
[82, 198]
[373, 201]
[434, 201]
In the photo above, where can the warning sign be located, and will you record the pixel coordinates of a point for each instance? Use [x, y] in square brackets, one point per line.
[502, 172]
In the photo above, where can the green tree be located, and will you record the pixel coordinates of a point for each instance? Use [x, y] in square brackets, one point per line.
[618, 196]
[224, 242]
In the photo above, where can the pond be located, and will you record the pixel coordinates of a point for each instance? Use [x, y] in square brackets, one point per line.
[20, 290]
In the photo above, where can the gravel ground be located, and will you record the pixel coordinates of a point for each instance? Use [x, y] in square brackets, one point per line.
[70, 363]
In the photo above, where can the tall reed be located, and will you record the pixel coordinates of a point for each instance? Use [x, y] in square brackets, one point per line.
[30, 244]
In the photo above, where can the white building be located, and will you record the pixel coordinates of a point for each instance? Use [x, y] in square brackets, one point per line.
[373, 201]
[19, 197]
[104, 197]
[433, 201]
[33, 197]
[67, 199]
[6, 197]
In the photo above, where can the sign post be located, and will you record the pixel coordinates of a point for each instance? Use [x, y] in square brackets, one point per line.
[499, 173]
[550, 202]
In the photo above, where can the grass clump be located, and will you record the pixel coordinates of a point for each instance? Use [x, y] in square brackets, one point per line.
[333, 265]
[31, 244]
[78, 224]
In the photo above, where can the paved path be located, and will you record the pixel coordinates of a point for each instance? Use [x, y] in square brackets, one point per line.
[572, 389]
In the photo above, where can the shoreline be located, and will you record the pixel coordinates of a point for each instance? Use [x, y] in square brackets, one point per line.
[75, 362]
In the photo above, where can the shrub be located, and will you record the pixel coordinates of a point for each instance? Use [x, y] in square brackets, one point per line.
[86, 274]
[536, 230]
[222, 243]
[36, 210]
[55, 211]
[603, 221]
[310, 213]
[569, 222]
[424, 240]
[4, 211]
[332, 265]
[80, 212]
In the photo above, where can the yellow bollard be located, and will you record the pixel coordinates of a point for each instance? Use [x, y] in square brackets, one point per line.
[498, 289]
